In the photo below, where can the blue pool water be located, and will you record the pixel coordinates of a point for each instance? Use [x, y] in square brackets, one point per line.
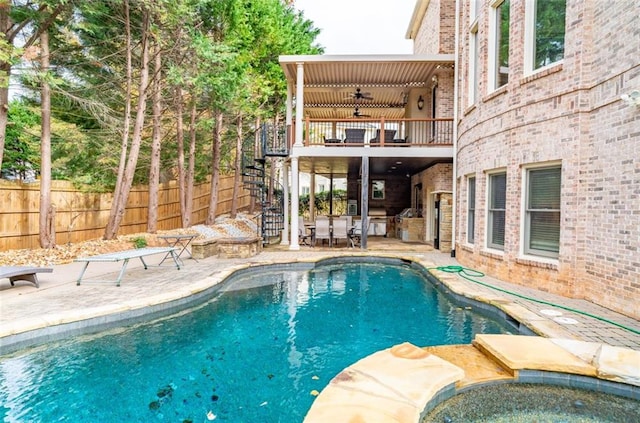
[248, 355]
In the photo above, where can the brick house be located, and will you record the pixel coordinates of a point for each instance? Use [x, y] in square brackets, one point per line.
[547, 144]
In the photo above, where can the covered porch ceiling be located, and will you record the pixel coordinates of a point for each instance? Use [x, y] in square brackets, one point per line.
[386, 82]
[340, 167]
[331, 82]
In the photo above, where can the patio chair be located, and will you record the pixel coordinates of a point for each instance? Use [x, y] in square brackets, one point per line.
[322, 230]
[404, 142]
[304, 238]
[388, 136]
[330, 141]
[355, 233]
[355, 136]
[349, 220]
[340, 229]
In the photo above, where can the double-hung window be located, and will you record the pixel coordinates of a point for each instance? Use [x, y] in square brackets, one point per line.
[544, 33]
[473, 71]
[542, 212]
[496, 210]
[471, 209]
[499, 44]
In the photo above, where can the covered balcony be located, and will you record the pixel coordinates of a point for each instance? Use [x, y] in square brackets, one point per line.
[368, 119]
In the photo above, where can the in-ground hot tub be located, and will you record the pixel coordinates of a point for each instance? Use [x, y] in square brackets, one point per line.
[524, 402]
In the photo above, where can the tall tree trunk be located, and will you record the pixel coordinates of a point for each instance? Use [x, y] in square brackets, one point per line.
[191, 163]
[47, 235]
[238, 168]
[136, 139]
[111, 230]
[11, 31]
[215, 164]
[154, 168]
[5, 72]
[179, 104]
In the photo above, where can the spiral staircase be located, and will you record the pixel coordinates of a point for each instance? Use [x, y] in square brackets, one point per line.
[267, 191]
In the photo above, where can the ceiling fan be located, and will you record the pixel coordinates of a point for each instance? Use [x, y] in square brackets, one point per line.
[359, 95]
[357, 114]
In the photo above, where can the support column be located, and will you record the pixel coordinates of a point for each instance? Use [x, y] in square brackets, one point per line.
[364, 201]
[299, 104]
[289, 113]
[295, 203]
[331, 194]
[312, 197]
[285, 194]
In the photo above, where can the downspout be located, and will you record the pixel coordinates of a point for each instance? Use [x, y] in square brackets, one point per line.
[454, 219]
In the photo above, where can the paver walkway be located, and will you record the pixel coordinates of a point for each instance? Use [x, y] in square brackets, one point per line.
[24, 306]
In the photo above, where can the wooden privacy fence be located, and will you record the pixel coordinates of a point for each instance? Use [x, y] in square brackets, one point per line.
[80, 215]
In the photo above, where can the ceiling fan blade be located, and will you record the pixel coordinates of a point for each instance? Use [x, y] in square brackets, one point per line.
[357, 114]
[359, 95]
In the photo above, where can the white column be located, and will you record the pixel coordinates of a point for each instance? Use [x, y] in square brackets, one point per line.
[289, 112]
[295, 201]
[299, 104]
[364, 201]
[312, 196]
[285, 194]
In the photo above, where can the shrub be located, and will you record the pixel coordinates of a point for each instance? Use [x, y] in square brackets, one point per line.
[139, 242]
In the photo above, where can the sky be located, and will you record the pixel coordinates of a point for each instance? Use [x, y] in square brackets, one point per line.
[360, 26]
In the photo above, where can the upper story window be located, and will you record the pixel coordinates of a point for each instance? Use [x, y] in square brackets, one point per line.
[542, 212]
[499, 44]
[471, 209]
[496, 210]
[474, 66]
[475, 6]
[544, 33]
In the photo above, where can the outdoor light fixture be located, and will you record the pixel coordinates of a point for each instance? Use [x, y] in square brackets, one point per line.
[632, 99]
[420, 102]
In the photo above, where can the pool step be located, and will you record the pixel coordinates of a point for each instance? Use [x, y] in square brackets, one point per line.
[478, 367]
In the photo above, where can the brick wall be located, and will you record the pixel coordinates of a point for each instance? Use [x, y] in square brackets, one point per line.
[436, 34]
[570, 113]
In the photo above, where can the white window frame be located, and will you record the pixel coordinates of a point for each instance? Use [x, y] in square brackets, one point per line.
[530, 39]
[474, 9]
[474, 65]
[494, 51]
[525, 218]
[489, 212]
[471, 208]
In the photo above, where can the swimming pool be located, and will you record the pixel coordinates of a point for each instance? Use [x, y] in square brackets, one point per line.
[257, 351]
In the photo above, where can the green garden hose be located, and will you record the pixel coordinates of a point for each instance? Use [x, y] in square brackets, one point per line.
[470, 274]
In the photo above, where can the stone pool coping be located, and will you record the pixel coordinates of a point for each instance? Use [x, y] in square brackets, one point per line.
[389, 387]
[410, 392]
